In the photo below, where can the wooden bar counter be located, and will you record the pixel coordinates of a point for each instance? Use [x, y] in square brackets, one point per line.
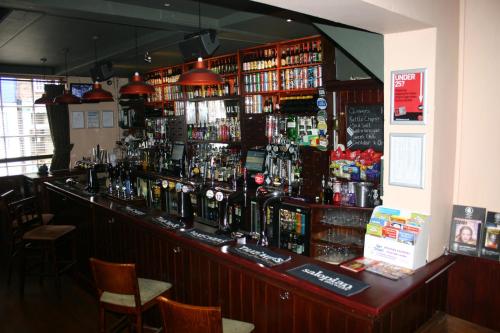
[268, 297]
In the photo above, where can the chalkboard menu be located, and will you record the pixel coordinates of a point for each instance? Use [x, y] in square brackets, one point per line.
[365, 127]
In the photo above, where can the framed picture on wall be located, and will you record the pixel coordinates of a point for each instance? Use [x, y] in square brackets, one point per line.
[93, 119]
[107, 119]
[406, 162]
[408, 96]
[77, 120]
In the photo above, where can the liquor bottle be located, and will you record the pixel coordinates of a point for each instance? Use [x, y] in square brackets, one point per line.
[288, 56]
[300, 244]
[329, 193]
[283, 57]
[292, 127]
[319, 56]
[322, 194]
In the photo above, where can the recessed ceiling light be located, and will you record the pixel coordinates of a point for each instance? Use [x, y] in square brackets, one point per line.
[166, 4]
[289, 20]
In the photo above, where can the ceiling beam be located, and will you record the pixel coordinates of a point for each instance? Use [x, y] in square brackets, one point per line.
[14, 23]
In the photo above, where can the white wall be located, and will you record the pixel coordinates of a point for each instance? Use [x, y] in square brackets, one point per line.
[87, 138]
[478, 151]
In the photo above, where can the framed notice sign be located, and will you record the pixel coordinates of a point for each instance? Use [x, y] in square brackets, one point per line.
[408, 96]
[93, 119]
[406, 163]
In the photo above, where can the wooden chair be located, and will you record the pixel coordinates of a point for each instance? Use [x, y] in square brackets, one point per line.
[38, 242]
[120, 291]
[183, 318]
[20, 216]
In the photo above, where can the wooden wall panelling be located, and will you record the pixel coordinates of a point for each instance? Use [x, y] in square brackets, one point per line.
[314, 165]
[416, 309]
[474, 293]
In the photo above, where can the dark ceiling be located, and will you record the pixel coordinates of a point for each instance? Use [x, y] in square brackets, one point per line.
[32, 30]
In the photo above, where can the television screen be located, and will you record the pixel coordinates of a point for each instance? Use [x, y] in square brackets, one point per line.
[177, 152]
[255, 160]
[78, 89]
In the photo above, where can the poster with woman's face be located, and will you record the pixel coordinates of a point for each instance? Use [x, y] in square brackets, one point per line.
[466, 231]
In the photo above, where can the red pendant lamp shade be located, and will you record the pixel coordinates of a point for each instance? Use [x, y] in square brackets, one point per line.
[199, 76]
[67, 98]
[44, 100]
[97, 94]
[137, 87]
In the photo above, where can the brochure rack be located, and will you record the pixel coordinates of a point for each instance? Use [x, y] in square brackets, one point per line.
[388, 247]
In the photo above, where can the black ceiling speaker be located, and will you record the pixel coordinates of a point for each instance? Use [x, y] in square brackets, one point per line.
[199, 44]
[102, 71]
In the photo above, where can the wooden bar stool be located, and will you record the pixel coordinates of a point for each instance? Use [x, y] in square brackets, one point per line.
[31, 236]
[42, 243]
[120, 291]
[184, 318]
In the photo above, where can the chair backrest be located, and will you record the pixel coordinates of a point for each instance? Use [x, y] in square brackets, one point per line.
[184, 318]
[115, 278]
[20, 216]
[25, 212]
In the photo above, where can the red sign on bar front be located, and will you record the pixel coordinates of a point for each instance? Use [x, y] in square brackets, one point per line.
[408, 96]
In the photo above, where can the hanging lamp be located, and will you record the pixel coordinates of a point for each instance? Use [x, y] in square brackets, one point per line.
[136, 85]
[67, 97]
[199, 75]
[44, 99]
[97, 94]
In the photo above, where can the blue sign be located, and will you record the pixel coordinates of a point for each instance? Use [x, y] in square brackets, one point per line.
[321, 103]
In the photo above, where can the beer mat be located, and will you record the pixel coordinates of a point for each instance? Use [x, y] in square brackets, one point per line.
[338, 283]
[206, 237]
[259, 254]
[168, 223]
[133, 211]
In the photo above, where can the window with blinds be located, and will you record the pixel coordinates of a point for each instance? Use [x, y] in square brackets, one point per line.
[25, 141]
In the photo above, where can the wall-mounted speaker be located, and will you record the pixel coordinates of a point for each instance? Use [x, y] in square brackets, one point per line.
[200, 44]
[102, 71]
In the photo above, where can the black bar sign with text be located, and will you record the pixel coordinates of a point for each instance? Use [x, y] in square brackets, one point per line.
[338, 283]
[365, 127]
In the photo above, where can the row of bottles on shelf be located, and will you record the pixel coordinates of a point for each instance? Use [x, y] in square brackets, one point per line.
[292, 230]
[228, 88]
[170, 75]
[156, 128]
[348, 194]
[215, 162]
[253, 104]
[225, 66]
[228, 129]
[292, 78]
[259, 104]
[291, 55]
[301, 54]
[261, 59]
[153, 78]
[261, 82]
[177, 108]
[293, 127]
[302, 78]
[156, 96]
[173, 92]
